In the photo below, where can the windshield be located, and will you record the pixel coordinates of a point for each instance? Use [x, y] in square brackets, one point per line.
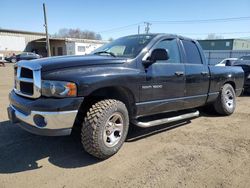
[129, 46]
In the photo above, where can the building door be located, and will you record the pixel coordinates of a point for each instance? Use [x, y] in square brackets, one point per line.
[59, 51]
[53, 51]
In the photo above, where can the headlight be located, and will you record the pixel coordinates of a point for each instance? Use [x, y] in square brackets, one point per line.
[58, 89]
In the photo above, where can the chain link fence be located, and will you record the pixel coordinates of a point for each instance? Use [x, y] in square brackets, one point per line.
[215, 56]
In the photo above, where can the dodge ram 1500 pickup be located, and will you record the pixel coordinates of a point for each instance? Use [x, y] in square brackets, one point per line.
[119, 85]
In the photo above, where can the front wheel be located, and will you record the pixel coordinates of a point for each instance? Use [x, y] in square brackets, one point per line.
[226, 101]
[105, 128]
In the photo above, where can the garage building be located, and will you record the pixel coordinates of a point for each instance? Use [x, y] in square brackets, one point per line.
[15, 41]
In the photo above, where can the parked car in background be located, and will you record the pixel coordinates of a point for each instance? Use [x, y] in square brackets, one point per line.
[22, 56]
[246, 57]
[2, 61]
[244, 63]
[227, 62]
[1, 58]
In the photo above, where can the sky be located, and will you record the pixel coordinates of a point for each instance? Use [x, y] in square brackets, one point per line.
[110, 17]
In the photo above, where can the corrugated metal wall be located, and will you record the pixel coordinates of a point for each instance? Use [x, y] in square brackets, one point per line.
[12, 43]
[215, 56]
[16, 42]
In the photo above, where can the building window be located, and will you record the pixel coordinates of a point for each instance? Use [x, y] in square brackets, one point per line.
[81, 48]
[60, 51]
[212, 43]
[227, 44]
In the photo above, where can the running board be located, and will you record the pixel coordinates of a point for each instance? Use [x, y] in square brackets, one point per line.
[166, 120]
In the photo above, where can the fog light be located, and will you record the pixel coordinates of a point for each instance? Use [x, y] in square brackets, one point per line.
[40, 121]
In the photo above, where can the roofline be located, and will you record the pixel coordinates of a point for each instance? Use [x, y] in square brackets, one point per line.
[21, 31]
[74, 40]
[164, 35]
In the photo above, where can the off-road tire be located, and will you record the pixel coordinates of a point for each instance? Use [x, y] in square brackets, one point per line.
[221, 105]
[93, 126]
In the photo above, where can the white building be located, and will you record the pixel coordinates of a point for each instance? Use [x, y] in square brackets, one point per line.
[14, 41]
[81, 46]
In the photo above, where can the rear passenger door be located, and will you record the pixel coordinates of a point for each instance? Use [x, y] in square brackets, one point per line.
[197, 75]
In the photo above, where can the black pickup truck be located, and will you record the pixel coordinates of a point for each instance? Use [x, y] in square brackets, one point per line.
[120, 84]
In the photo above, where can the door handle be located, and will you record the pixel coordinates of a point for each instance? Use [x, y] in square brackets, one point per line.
[204, 73]
[179, 73]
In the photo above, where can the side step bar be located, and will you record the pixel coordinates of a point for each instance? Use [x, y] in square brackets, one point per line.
[166, 120]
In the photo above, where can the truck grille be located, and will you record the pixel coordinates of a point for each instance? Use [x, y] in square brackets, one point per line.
[27, 80]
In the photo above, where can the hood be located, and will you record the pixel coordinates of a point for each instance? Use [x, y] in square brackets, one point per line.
[61, 62]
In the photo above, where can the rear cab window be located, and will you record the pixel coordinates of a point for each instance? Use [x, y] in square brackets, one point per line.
[192, 52]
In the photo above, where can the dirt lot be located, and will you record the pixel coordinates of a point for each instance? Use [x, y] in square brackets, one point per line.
[209, 151]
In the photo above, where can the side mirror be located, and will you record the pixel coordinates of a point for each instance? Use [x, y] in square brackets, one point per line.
[158, 54]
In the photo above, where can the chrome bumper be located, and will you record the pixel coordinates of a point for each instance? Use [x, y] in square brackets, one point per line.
[44, 123]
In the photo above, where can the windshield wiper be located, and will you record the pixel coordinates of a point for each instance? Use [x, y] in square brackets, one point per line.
[105, 52]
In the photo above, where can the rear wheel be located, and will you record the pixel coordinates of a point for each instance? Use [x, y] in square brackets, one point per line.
[226, 101]
[105, 128]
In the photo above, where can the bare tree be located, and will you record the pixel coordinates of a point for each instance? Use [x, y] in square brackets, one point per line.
[110, 39]
[77, 33]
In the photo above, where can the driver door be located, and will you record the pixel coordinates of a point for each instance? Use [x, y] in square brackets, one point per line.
[164, 87]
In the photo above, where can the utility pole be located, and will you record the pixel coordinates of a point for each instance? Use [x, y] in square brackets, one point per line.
[138, 29]
[147, 27]
[46, 30]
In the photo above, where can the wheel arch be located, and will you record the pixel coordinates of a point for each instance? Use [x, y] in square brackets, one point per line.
[114, 92]
[232, 83]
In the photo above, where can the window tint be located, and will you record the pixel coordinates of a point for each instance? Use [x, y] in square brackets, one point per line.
[192, 52]
[173, 51]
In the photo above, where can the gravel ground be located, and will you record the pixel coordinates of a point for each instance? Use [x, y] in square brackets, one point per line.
[209, 151]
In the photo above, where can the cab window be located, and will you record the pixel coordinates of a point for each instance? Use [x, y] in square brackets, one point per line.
[192, 53]
[173, 51]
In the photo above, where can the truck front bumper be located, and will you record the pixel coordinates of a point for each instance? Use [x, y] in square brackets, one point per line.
[44, 116]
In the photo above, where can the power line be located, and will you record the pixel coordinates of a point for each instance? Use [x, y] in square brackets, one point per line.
[222, 33]
[120, 28]
[202, 21]
[198, 21]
